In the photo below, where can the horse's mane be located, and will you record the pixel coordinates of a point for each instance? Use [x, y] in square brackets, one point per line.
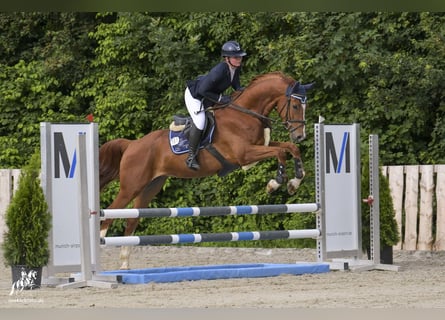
[267, 76]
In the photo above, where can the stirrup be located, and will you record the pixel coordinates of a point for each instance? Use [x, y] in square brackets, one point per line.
[192, 163]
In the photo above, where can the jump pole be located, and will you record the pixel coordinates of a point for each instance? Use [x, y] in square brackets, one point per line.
[208, 211]
[210, 237]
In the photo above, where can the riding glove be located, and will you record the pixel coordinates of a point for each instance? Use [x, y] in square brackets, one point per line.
[224, 99]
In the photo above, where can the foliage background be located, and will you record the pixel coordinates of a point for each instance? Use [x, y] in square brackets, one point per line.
[383, 70]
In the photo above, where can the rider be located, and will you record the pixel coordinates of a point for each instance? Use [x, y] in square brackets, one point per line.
[207, 90]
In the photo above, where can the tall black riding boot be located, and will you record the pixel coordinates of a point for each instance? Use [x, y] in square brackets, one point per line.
[194, 139]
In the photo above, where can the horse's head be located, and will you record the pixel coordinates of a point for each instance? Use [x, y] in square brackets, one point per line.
[274, 90]
[32, 275]
[294, 110]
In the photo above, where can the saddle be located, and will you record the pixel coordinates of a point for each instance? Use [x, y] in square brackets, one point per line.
[180, 132]
[179, 143]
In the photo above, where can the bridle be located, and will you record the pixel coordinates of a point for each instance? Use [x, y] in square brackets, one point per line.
[303, 100]
[287, 123]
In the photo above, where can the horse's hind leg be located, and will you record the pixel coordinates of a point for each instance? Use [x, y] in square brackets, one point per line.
[104, 225]
[141, 201]
[121, 201]
[123, 198]
[124, 255]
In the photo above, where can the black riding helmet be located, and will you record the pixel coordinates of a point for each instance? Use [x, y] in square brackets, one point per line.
[232, 49]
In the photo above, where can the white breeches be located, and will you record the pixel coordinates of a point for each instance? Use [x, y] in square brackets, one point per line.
[194, 106]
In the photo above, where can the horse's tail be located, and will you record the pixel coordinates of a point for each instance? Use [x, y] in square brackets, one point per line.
[110, 155]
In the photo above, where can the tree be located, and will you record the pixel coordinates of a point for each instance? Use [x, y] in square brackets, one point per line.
[28, 221]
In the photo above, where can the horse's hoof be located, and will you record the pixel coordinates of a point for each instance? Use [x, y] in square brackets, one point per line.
[272, 186]
[293, 185]
[125, 265]
[300, 174]
[103, 233]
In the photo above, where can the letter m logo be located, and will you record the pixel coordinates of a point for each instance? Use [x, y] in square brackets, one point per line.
[333, 158]
[61, 155]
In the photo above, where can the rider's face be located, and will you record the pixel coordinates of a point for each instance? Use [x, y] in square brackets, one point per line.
[235, 61]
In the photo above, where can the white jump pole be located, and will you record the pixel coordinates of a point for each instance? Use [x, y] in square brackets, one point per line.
[208, 211]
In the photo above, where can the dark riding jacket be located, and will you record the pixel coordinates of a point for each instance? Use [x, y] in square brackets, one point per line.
[209, 87]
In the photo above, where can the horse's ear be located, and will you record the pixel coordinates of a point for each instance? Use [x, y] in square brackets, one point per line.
[301, 89]
[309, 86]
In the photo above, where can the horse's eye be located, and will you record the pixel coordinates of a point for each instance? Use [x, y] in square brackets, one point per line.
[296, 106]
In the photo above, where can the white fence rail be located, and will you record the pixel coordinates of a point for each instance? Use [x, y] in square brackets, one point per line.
[418, 193]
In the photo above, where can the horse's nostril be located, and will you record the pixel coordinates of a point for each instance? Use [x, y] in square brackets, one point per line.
[300, 138]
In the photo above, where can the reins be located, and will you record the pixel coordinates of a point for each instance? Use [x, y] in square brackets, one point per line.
[262, 117]
[239, 108]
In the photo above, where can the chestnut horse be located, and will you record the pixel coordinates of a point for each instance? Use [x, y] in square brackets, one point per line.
[143, 165]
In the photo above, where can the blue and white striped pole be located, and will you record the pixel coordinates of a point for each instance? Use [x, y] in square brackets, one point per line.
[208, 211]
[210, 237]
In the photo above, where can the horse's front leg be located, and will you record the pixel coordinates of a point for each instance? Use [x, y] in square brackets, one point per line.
[280, 178]
[275, 149]
[294, 183]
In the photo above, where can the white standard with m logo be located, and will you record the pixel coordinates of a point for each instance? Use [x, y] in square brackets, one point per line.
[60, 159]
[341, 154]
